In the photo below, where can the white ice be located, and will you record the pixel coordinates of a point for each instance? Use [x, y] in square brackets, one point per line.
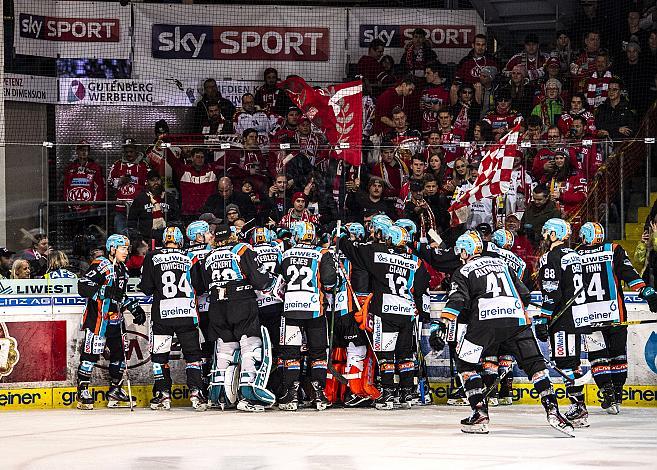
[421, 438]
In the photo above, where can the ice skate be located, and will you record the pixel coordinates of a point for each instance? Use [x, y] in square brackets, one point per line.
[118, 398]
[406, 397]
[199, 402]
[477, 422]
[456, 397]
[85, 399]
[386, 401]
[578, 415]
[161, 401]
[319, 399]
[250, 406]
[608, 402]
[353, 401]
[505, 396]
[290, 401]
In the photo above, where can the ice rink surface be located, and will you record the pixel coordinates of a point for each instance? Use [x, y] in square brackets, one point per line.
[421, 438]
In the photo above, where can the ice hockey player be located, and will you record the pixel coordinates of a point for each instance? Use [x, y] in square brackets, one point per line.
[501, 365]
[561, 281]
[232, 274]
[605, 266]
[495, 299]
[200, 244]
[270, 306]
[399, 279]
[167, 276]
[104, 286]
[309, 272]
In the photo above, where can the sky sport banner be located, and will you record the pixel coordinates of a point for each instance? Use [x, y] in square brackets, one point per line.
[72, 29]
[240, 42]
[30, 88]
[451, 32]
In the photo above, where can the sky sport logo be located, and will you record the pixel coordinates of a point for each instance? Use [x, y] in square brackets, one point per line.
[76, 91]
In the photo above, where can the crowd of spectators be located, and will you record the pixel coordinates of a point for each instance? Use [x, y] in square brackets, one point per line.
[425, 132]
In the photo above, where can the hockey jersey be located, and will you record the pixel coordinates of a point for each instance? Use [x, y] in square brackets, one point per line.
[490, 291]
[198, 253]
[84, 182]
[167, 276]
[513, 261]
[270, 257]
[605, 266]
[560, 278]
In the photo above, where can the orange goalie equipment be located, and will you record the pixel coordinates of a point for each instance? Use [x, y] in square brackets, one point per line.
[334, 390]
[361, 383]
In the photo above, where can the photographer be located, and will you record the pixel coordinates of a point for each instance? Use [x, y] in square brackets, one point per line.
[540, 210]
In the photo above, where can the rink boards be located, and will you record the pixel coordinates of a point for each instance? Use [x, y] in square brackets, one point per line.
[39, 337]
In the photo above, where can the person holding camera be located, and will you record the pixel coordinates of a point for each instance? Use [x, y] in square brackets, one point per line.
[540, 210]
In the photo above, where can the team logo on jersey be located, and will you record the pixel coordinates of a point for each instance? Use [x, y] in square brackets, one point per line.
[78, 194]
[650, 352]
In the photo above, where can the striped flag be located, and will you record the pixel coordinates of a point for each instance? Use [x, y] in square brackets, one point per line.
[494, 176]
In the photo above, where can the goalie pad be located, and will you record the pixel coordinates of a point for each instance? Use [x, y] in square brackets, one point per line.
[224, 377]
[361, 372]
[363, 316]
[256, 367]
[335, 391]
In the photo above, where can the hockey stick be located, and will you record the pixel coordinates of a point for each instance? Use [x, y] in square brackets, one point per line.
[337, 375]
[422, 379]
[623, 323]
[124, 338]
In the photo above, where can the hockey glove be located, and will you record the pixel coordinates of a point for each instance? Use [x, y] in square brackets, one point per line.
[139, 316]
[541, 329]
[437, 334]
[649, 295]
[114, 293]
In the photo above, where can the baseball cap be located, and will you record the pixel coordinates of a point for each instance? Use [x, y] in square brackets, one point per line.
[5, 252]
[222, 232]
[231, 208]
[552, 61]
[298, 195]
[210, 218]
[129, 143]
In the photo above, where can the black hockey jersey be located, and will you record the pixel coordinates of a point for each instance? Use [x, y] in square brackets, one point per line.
[605, 266]
[269, 255]
[309, 272]
[490, 291]
[167, 276]
[513, 261]
[198, 252]
[233, 272]
[399, 279]
[560, 278]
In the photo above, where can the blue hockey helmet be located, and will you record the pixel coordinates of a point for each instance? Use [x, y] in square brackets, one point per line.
[116, 241]
[198, 227]
[356, 229]
[303, 232]
[172, 235]
[262, 235]
[559, 227]
[592, 233]
[410, 227]
[503, 238]
[381, 223]
[470, 242]
[396, 236]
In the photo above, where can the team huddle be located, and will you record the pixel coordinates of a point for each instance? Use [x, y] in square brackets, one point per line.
[298, 319]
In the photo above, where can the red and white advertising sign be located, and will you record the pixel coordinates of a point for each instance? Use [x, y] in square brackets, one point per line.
[72, 29]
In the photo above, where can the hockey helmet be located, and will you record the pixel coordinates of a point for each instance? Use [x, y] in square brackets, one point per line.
[198, 227]
[303, 232]
[396, 236]
[503, 238]
[381, 223]
[410, 227]
[116, 241]
[262, 235]
[356, 229]
[172, 235]
[470, 242]
[592, 233]
[559, 227]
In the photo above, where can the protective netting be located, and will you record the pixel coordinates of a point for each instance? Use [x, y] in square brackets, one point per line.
[113, 75]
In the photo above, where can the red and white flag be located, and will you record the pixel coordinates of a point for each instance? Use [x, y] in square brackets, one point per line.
[494, 176]
[337, 110]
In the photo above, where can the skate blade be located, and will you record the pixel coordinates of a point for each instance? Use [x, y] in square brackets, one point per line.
[120, 404]
[457, 402]
[505, 401]
[81, 406]
[493, 402]
[613, 410]
[160, 407]
[475, 428]
[288, 406]
[580, 423]
[556, 424]
[322, 406]
[385, 406]
[251, 408]
[200, 407]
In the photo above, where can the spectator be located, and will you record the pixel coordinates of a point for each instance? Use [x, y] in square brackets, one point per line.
[521, 244]
[21, 270]
[583, 66]
[407, 141]
[211, 95]
[298, 212]
[589, 157]
[362, 204]
[418, 52]
[503, 116]
[567, 185]
[482, 135]
[460, 176]
[652, 91]
[214, 122]
[469, 67]
[37, 254]
[485, 90]
[588, 19]
[388, 77]
[577, 108]
[252, 118]
[277, 201]
[284, 134]
[450, 137]
[563, 51]
[598, 82]
[615, 118]
[515, 199]
[128, 178]
[369, 65]
[392, 170]
[645, 254]
[232, 213]
[5, 262]
[393, 97]
[417, 209]
[480, 211]
[437, 202]
[247, 162]
[636, 77]
[320, 198]
[149, 212]
[465, 109]
[650, 52]
[197, 181]
[544, 160]
[551, 107]
[540, 209]
[218, 202]
[269, 97]
[531, 58]
[83, 179]
[418, 169]
[631, 33]
[522, 93]
[434, 98]
[138, 250]
[256, 198]
[58, 266]
[212, 221]
[434, 156]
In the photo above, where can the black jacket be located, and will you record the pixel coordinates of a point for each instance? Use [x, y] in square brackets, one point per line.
[140, 216]
[216, 204]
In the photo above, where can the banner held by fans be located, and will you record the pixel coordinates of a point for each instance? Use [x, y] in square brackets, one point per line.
[337, 110]
[494, 176]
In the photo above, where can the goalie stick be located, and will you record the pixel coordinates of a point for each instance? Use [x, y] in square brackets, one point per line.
[331, 368]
